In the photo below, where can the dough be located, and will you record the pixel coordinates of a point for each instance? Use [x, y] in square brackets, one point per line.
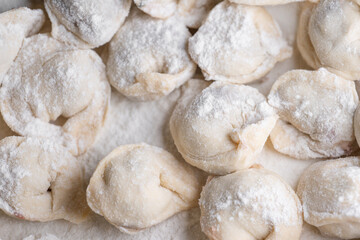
[267, 2]
[223, 128]
[148, 57]
[49, 80]
[304, 44]
[157, 8]
[193, 12]
[40, 181]
[334, 32]
[137, 186]
[15, 25]
[250, 204]
[317, 110]
[238, 43]
[330, 194]
[86, 25]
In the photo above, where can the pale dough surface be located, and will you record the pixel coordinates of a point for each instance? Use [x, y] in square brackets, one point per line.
[151, 126]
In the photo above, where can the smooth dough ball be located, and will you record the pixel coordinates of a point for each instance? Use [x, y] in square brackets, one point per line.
[334, 32]
[223, 128]
[40, 181]
[238, 43]
[268, 2]
[86, 24]
[148, 57]
[49, 80]
[330, 195]
[15, 25]
[157, 8]
[316, 109]
[137, 186]
[193, 12]
[251, 204]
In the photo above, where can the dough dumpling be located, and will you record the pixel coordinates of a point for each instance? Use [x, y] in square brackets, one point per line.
[251, 204]
[15, 25]
[84, 23]
[238, 43]
[49, 80]
[330, 196]
[334, 33]
[148, 57]
[316, 110]
[137, 186]
[193, 12]
[223, 128]
[157, 8]
[267, 2]
[40, 181]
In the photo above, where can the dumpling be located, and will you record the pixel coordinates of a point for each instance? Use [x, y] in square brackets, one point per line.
[268, 2]
[223, 128]
[250, 204]
[148, 57]
[316, 110]
[48, 81]
[86, 24]
[330, 196]
[15, 25]
[333, 29]
[238, 43]
[137, 186]
[40, 181]
[194, 12]
[157, 8]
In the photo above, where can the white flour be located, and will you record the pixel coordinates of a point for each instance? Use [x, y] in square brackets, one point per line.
[132, 122]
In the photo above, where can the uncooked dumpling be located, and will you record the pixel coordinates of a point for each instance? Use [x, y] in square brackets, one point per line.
[223, 128]
[334, 33]
[138, 186]
[316, 109]
[86, 24]
[251, 204]
[267, 2]
[148, 57]
[157, 8]
[238, 43]
[330, 195]
[49, 80]
[194, 12]
[15, 25]
[40, 181]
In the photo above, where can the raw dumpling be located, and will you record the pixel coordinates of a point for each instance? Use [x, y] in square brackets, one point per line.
[223, 128]
[148, 57]
[40, 181]
[250, 204]
[86, 24]
[267, 2]
[334, 33]
[138, 186]
[15, 25]
[157, 8]
[193, 12]
[330, 195]
[49, 80]
[316, 109]
[238, 43]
